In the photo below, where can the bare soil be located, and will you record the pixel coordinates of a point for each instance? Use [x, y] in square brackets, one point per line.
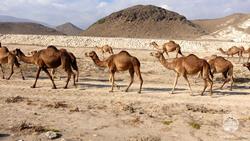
[91, 112]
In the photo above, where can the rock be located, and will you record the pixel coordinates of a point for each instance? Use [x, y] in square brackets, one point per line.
[51, 135]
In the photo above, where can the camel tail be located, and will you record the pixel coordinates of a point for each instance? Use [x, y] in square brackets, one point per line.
[16, 62]
[206, 71]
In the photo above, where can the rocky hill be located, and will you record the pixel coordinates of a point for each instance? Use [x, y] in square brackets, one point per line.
[69, 29]
[145, 21]
[234, 27]
[26, 28]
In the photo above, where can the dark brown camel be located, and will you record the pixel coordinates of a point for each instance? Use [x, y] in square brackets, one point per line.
[50, 57]
[119, 62]
[7, 57]
[73, 64]
[188, 65]
[221, 65]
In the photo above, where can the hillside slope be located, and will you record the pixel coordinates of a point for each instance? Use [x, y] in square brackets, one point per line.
[144, 22]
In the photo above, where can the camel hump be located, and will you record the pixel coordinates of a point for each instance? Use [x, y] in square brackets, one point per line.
[123, 52]
[52, 47]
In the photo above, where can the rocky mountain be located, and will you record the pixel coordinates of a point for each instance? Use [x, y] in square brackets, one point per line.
[26, 28]
[234, 27]
[145, 21]
[69, 29]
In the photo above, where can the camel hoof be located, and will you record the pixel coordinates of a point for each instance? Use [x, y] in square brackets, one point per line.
[32, 86]
[111, 91]
[23, 78]
[65, 87]
[7, 78]
[139, 92]
[54, 87]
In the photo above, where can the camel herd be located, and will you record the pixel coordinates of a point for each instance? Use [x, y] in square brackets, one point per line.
[52, 58]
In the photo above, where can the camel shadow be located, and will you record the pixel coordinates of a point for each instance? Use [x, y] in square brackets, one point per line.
[4, 135]
[230, 93]
[242, 80]
[98, 79]
[89, 85]
[150, 89]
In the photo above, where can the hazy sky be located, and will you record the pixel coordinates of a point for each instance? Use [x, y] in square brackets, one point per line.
[85, 12]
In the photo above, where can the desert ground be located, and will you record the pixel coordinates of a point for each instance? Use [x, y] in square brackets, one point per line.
[90, 112]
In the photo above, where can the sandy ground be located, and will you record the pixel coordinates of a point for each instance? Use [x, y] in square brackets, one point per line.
[90, 113]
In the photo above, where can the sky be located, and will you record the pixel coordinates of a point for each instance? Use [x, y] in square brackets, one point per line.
[85, 12]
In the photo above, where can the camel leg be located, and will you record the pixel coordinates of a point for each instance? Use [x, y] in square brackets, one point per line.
[186, 78]
[226, 79]
[131, 72]
[47, 72]
[11, 70]
[37, 75]
[68, 79]
[21, 72]
[205, 86]
[232, 82]
[2, 70]
[112, 81]
[138, 73]
[211, 85]
[53, 71]
[175, 82]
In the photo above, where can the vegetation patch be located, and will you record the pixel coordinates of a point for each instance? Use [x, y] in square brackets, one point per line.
[167, 122]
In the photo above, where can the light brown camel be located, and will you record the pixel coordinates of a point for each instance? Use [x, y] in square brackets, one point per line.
[50, 57]
[185, 66]
[221, 65]
[232, 51]
[7, 57]
[119, 62]
[73, 64]
[104, 49]
[168, 47]
[247, 65]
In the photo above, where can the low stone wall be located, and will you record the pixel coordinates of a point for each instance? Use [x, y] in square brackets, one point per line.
[131, 43]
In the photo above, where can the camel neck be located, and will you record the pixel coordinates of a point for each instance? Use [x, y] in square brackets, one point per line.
[222, 51]
[26, 59]
[156, 46]
[98, 62]
[165, 63]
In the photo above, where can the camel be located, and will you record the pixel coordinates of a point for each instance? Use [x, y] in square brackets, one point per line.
[220, 65]
[247, 65]
[168, 47]
[232, 51]
[119, 62]
[7, 57]
[50, 57]
[188, 65]
[104, 49]
[73, 61]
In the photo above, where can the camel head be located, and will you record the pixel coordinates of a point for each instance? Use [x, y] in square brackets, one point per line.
[18, 52]
[219, 49]
[153, 43]
[157, 54]
[91, 54]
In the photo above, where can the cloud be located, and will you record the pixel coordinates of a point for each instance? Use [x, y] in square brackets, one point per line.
[85, 12]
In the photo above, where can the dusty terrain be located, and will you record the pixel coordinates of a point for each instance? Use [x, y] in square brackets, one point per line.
[90, 112]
